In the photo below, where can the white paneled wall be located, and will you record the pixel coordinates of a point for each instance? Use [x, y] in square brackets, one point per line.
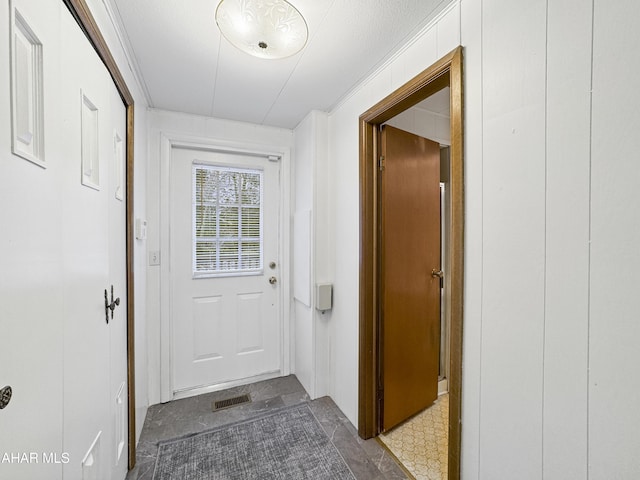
[552, 267]
[614, 303]
[513, 241]
[311, 327]
[304, 193]
[566, 327]
[471, 38]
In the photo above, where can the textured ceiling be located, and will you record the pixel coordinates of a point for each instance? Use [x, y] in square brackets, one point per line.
[186, 65]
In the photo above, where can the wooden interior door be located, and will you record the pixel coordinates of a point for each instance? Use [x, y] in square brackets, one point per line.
[410, 294]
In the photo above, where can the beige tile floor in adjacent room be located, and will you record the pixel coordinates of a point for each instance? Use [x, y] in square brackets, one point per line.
[421, 443]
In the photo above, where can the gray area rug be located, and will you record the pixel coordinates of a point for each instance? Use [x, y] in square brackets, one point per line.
[286, 444]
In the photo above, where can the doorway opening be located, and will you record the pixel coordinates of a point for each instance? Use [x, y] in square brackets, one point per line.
[447, 72]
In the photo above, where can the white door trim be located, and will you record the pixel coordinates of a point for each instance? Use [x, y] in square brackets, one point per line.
[168, 141]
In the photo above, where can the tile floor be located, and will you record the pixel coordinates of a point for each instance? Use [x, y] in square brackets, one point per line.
[367, 459]
[421, 443]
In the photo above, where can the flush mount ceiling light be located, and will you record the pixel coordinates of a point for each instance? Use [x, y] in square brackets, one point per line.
[263, 28]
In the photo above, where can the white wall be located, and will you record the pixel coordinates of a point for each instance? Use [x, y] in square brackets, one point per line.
[614, 303]
[551, 264]
[311, 327]
[419, 121]
[203, 130]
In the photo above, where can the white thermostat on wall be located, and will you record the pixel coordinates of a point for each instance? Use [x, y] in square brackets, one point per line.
[141, 229]
[324, 296]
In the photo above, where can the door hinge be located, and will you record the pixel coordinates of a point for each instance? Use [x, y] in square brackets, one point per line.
[381, 163]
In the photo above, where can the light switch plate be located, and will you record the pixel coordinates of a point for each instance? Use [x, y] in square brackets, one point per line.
[154, 258]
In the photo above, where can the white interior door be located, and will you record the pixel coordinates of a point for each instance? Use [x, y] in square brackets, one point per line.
[225, 272]
[95, 259]
[31, 288]
[116, 198]
[62, 244]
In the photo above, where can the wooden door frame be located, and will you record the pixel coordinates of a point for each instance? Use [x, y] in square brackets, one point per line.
[88, 25]
[445, 72]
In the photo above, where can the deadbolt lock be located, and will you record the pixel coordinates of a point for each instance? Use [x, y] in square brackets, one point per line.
[272, 265]
[5, 396]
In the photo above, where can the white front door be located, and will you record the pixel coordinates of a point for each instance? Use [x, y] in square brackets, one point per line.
[225, 272]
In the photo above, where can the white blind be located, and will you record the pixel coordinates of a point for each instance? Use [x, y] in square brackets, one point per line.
[227, 220]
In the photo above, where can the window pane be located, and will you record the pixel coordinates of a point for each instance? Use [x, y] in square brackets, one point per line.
[228, 189]
[250, 255]
[227, 217]
[205, 221]
[250, 222]
[251, 189]
[206, 186]
[205, 256]
[228, 221]
[228, 256]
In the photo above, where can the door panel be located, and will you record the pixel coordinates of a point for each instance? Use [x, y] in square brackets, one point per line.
[85, 228]
[31, 290]
[410, 295]
[95, 257]
[62, 244]
[115, 138]
[226, 327]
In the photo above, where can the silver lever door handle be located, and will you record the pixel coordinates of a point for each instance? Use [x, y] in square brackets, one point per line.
[273, 280]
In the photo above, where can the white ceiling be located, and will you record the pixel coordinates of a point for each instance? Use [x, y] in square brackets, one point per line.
[185, 65]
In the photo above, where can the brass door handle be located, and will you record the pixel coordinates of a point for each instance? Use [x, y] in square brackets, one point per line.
[437, 273]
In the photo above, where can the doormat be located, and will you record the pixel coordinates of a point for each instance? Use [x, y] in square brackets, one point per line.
[286, 444]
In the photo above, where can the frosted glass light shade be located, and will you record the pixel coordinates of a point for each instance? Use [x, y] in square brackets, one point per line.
[263, 28]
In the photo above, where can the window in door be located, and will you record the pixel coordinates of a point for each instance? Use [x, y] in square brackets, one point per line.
[227, 221]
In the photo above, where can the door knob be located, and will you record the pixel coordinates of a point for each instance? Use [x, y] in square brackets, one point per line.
[437, 273]
[110, 306]
[5, 396]
[273, 280]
